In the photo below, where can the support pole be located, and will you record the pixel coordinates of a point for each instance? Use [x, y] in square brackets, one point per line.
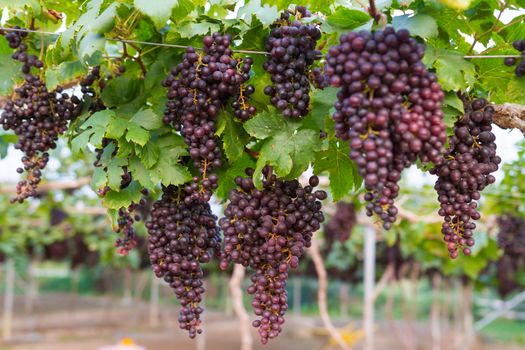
[240, 311]
[369, 278]
[154, 302]
[7, 324]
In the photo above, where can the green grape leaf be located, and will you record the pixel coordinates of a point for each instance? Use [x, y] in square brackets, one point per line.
[228, 174]
[99, 179]
[137, 135]
[345, 18]
[289, 154]
[148, 119]
[191, 29]
[116, 128]
[168, 171]
[158, 11]
[114, 171]
[123, 198]
[453, 71]
[140, 173]
[342, 172]
[149, 154]
[8, 67]
[322, 102]
[420, 25]
[121, 90]
[265, 124]
[266, 14]
[233, 136]
[65, 71]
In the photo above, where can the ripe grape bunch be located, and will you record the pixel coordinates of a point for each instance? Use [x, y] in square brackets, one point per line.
[510, 61]
[268, 231]
[469, 161]
[511, 238]
[36, 115]
[388, 109]
[340, 226]
[182, 236]
[292, 49]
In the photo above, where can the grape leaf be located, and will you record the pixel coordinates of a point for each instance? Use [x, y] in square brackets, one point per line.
[117, 127]
[168, 171]
[140, 173]
[453, 71]
[266, 14]
[342, 172]
[99, 179]
[421, 25]
[114, 171]
[158, 11]
[345, 18]
[65, 71]
[149, 154]
[233, 136]
[229, 173]
[137, 134]
[265, 124]
[117, 200]
[148, 119]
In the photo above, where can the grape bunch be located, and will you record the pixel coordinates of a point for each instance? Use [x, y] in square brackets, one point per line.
[182, 236]
[388, 109]
[340, 226]
[268, 231]
[198, 88]
[511, 239]
[292, 52]
[511, 61]
[466, 171]
[37, 116]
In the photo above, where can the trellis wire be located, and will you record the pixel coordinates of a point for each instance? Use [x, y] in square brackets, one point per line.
[234, 50]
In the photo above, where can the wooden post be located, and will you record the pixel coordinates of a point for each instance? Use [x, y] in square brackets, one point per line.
[154, 302]
[468, 318]
[31, 291]
[7, 324]
[317, 259]
[297, 296]
[369, 278]
[435, 316]
[236, 296]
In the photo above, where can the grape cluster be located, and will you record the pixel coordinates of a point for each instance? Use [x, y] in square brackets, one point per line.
[198, 88]
[268, 231]
[511, 236]
[466, 171]
[340, 226]
[511, 61]
[183, 234]
[388, 108]
[37, 116]
[292, 49]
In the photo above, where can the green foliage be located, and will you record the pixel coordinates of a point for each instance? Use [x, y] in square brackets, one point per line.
[136, 100]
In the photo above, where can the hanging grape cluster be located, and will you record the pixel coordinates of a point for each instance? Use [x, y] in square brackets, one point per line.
[469, 161]
[340, 226]
[511, 61]
[292, 49]
[388, 109]
[182, 235]
[36, 115]
[198, 88]
[268, 231]
[511, 239]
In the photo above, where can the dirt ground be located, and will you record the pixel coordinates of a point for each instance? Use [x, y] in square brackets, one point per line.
[63, 322]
